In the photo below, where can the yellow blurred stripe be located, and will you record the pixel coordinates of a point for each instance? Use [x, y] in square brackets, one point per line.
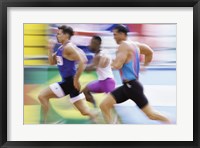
[35, 51]
[35, 28]
[35, 40]
[35, 62]
[32, 114]
[65, 108]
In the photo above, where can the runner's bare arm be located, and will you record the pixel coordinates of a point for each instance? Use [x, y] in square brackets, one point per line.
[104, 61]
[98, 61]
[51, 55]
[147, 51]
[73, 54]
[121, 57]
[93, 65]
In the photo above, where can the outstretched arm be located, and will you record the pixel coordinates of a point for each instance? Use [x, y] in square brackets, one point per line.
[75, 55]
[51, 55]
[121, 57]
[93, 65]
[90, 67]
[98, 61]
[147, 51]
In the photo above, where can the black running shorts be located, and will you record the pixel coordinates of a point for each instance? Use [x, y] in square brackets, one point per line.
[67, 86]
[130, 90]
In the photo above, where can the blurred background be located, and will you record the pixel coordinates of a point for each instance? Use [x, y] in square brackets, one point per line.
[159, 78]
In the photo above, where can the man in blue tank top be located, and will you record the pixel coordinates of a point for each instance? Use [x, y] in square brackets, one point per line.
[66, 57]
[127, 61]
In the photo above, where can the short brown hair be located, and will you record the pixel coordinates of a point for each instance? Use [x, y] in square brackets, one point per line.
[67, 30]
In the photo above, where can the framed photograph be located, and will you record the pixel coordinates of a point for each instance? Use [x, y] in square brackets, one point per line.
[99, 74]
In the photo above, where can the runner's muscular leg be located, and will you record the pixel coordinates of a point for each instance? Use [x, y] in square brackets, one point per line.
[88, 96]
[44, 97]
[84, 109]
[154, 115]
[106, 107]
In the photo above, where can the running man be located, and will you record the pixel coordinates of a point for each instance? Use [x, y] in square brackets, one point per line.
[66, 57]
[128, 62]
[102, 64]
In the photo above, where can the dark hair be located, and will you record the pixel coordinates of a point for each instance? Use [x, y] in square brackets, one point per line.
[121, 28]
[67, 30]
[97, 38]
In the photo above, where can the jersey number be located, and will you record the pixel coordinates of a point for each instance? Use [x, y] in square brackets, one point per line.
[59, 60]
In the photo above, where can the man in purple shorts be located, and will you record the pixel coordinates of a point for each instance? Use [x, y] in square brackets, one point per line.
[102, 64]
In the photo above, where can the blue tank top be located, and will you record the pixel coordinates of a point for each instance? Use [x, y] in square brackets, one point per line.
[66, 67]
[130, 70]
